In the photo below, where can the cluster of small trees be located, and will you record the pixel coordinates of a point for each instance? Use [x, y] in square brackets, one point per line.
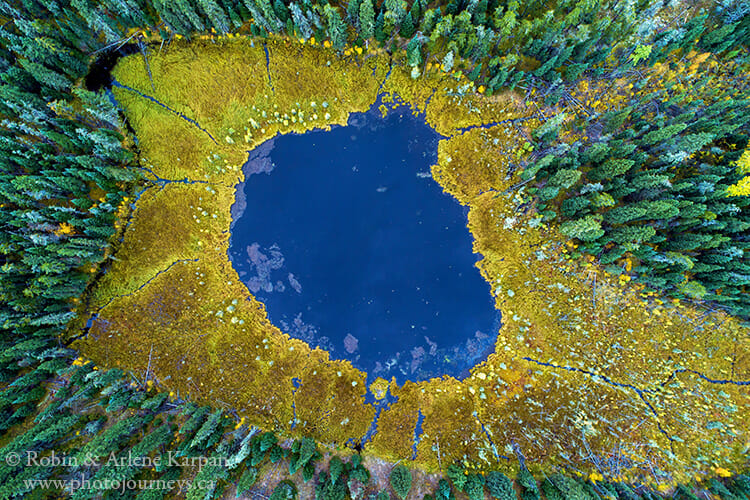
[62, 174]
[648, 183]
[99, 420]
[476, 486]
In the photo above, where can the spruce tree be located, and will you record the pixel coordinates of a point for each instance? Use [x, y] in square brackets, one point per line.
[190, 14]
[499, 486]
[216, 15]
[400, 480]
[414, 52]
[380, 34]
[407, 28]
[352, 12]
[366, 19]
[336, 27]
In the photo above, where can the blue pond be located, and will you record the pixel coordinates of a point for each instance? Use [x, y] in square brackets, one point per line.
[353, 247]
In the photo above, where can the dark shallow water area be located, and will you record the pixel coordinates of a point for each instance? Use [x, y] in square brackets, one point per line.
[353, 247]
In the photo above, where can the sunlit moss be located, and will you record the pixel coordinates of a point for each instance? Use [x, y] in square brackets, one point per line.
[203, 80]
[584, 364]
[320, 82]
[330, 400]
[379, 388]
[172, 222]
[451, 401]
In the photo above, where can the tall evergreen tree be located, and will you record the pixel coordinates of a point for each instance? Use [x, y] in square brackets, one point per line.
[414, 51]
[188, 10]
[216, 15]
[300, 21]
[366, 19]
[407, 26]
[352, 12]
[336, 27]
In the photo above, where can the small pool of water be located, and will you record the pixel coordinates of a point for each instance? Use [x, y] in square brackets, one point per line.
[353, 247]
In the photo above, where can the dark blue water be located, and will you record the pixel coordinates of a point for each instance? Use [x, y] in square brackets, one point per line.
[353, 247]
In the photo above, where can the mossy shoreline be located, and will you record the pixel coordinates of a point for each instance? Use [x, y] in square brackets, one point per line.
[595, 353]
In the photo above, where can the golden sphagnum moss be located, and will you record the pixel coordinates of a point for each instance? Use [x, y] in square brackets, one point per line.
[588, 371]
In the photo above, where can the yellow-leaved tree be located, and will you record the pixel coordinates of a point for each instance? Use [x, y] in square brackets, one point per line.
[742, 187]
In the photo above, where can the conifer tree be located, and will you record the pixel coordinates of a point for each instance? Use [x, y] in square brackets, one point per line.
[366, 19]
[499, 486]
[300, 21]
[380, 34]
[216, 15]
[352, 12]
[281, 10]
[336, 27]
[414, 51]
[407, 27]
[400, 480]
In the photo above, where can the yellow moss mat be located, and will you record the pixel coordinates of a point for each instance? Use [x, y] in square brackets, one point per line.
[587, 372]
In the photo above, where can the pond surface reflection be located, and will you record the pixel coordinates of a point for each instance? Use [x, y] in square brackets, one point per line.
[353, 247]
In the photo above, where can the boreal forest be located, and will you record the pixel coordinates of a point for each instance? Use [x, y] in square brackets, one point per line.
[313, 249]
